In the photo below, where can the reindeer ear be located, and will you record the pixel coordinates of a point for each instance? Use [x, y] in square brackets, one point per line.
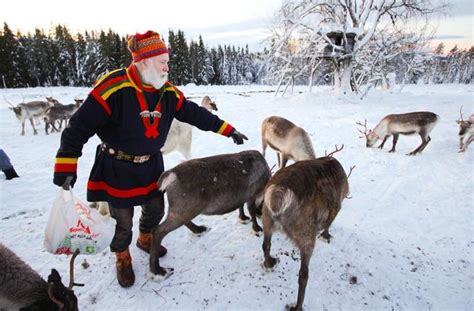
[54, 276]
[458, 121]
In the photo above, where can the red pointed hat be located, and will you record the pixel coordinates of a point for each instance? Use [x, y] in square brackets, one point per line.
[146, 45]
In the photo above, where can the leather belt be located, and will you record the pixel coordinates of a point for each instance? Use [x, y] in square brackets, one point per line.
[123, 156]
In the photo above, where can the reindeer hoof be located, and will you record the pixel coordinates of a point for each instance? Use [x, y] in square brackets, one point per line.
[202, 230]
[325, 238]
[244, 219]
[163, 274]
[270, 266]
[290, 307]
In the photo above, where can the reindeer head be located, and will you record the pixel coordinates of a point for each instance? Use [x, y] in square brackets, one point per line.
[208, 103]
[370, 136]
[78, 102]
[52, 101]
[61, 295]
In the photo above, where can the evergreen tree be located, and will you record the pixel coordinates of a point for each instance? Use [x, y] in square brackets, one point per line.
[9, 59]
[66, 61]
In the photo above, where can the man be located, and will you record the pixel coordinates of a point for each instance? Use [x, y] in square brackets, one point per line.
[131, 110]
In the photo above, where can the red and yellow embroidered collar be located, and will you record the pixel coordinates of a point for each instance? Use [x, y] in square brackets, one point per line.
[151, 126]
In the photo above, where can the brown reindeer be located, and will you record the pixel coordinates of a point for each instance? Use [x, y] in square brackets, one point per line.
[209, 186]
[60, 113]
[466, 128]
[302, 200]
[22, 287]
[420, 123]
[291, 142]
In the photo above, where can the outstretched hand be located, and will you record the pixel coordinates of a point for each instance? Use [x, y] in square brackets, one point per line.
[238, 137]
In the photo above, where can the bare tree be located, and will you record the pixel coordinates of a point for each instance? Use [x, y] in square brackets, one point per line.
[302, 32]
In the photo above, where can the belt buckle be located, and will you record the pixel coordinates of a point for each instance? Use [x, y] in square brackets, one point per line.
[141, 159]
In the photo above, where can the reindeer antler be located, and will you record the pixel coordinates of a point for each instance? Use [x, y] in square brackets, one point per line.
[51, 296]
[71, 270]
[460, 112]
[366, 130]
[331, 154]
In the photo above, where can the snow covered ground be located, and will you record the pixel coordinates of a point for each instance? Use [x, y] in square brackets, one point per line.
[406, 234]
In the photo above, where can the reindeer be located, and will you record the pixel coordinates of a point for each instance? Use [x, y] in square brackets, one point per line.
[420, 123]
[180, 134]
[302, 200]
[59, 113]
[30, 110]
[466, 127]
[289, 141]
[209, 186]
[22, 287]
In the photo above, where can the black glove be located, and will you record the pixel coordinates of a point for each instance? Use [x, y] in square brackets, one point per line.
[65, 179]
[238, 137]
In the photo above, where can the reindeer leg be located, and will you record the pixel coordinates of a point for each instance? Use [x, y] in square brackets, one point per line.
[279, 159]
[23, 128]
[324, 235]
[469, 140]
[395, 140]
[427, 140]
[264, 147]
[384, 140]
[159, 232]
[253, 214]
[461, 144]
[195, 228]
[421, 146]
[268, 223]
[33, 126]
[306, 254]
[242, 215]
[284, 159]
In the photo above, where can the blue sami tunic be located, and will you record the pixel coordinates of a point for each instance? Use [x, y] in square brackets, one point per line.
[112, 111]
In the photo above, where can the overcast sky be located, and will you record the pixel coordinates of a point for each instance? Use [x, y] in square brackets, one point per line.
[218, 21]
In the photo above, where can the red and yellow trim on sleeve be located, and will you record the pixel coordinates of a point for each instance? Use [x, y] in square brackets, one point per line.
[121, 193]
[225, 129]
[65, 165]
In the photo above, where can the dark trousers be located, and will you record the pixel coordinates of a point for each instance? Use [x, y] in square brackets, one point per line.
[152, 212]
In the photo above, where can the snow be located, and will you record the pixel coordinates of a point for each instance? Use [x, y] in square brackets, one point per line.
[406, 234]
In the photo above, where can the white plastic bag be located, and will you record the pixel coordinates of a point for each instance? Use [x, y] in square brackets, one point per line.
[73, 225]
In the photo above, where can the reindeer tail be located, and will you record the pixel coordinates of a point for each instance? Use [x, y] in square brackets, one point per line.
[166, 179]
[278, 199]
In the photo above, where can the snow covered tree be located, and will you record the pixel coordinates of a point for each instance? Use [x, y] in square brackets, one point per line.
[303, 29]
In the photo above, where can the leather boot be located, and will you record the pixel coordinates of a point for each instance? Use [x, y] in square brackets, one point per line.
[10, 173]
[144, 243]
[125, 274]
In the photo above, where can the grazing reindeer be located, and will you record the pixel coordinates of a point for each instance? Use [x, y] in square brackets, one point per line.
[22, 287]
[302, 200]
[209, 186]
[59, 113]
[289, 141]
[466, 128]
[180, 134]
[30, 110]
[420, 123]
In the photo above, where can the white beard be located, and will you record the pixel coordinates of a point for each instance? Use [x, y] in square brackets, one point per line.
[154, 78]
